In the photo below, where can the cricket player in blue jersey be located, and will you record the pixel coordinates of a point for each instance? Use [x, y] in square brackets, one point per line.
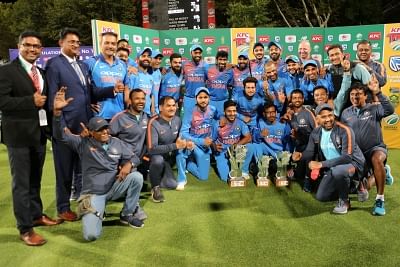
[172, 81]
[143, 80]
[249, 105]
[293, 72]
[311, 80]
[257, 64]
[227, 132]
[197, 127]
[108, 76]
[218, 80]
[271, 136]
[195, 75]
[123, 43]
[278, 88]
[155, 71]
[240, 72]
[275, 51]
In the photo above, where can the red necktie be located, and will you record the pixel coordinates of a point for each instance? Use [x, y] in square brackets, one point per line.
[35, 78]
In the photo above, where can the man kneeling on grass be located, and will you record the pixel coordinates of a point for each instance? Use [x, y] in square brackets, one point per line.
[332, 150]
[108, 169]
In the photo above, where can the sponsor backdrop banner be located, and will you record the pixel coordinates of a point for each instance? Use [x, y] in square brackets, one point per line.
[289, 39]
[349, 37]
[385, 41]
[391, 60]
[180, 42]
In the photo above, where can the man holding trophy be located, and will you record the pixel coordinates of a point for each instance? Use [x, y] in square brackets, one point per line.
[231, 134]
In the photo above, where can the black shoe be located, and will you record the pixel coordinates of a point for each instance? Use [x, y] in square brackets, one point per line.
[157, 195]
[307, 185]
[131, 221]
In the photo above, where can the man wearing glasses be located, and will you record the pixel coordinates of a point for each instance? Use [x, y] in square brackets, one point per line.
[23, 104]
[66, 70]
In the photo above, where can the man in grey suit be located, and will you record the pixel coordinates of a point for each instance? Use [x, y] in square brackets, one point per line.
[66, 71]
[23, 104]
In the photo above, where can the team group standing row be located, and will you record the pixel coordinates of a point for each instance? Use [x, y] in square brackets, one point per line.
[115, 120]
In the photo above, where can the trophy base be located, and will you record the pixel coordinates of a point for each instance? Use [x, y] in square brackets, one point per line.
[263, 182]
[237, 182]
[281, 182]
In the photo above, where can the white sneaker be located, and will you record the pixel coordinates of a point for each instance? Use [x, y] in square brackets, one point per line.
[245, 175]
[181, 186]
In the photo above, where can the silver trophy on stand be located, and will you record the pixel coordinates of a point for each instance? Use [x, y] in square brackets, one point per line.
[237, 155]
[282, 162]
[262, 176]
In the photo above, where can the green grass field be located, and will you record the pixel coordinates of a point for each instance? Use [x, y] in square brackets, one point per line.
[210, 224]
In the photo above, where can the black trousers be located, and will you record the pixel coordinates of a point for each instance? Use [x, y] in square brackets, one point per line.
[68, 169]
[26, 164]
[160, 169]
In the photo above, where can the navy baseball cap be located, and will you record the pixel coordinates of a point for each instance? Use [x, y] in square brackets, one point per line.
[196, 47]
[141, 52]
[310, 62]
[293, 58]
[201, 89]
[97, 123]
[323, 107]
[275, 44]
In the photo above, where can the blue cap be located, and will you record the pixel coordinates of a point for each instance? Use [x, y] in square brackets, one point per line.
[323, 107]
[244, 54]
[293, 58]
[310, 62]
[275, 44]
[156, 53]
[201, 89]
[141, 52]
[195, 47]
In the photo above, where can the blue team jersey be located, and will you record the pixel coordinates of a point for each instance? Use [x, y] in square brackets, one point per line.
[217, 83]
[294, 79]
[277, 138]
[198, 125]
[308, 86]
[257, 68]
[249, 108]
[195, 76]
[156, 86]
[231, 133]
[143, 80]
[238, 77]
[171, 85]
[105, 75]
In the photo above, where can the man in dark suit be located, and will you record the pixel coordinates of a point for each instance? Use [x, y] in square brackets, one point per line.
[66, 71]
[23, 102]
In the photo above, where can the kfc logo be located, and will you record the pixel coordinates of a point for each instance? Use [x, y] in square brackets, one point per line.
[242, 38]
[263, 39]
[316, 38]
[208, 40]
[223, 48]
[374, 36]
[167, 51]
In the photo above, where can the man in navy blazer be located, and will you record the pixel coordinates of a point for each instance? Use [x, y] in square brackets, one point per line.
[67, 71]
[23, 104]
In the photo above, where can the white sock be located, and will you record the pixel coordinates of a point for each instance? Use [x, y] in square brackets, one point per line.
[381, 197]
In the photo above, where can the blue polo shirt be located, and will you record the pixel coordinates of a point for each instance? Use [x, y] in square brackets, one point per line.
[144, 81]
[171, 85]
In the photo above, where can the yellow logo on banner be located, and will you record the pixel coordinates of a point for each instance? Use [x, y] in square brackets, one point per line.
[242, 41]
[391, 60]
[104, 26]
